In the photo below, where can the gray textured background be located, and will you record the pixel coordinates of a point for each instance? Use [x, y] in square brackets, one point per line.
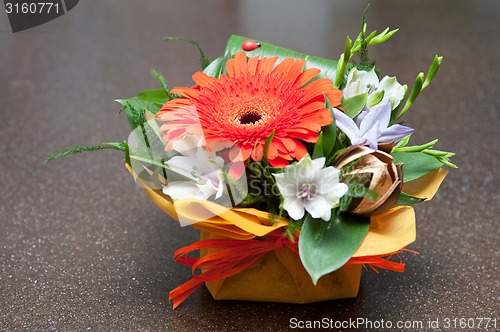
[81, 247]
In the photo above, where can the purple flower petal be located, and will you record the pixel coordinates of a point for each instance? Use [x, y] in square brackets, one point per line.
[361, 116]
[395, 133]
[372, 136]
[380, 113]
[346, 124]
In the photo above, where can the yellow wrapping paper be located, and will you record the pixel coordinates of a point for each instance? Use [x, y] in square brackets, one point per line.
[279, 275]
[425, 186]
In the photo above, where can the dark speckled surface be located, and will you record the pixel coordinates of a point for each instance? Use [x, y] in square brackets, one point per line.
[82, 248]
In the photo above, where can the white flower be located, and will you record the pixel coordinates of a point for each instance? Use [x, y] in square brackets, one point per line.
[202, 170]
[361, 81]
[308, 185]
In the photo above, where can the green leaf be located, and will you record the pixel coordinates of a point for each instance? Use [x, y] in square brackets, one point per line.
[134, 109]
[266, 149]
[325, 246]
[329, 132]
[352, 106]
[318, 147]
[216, 68]
[405, 199]
[328, 67]
[158, 96]
[415, 164]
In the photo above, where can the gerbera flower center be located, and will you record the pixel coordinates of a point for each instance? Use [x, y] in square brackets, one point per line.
[249, 117]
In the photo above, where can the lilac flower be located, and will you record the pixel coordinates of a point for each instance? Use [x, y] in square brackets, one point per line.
[371, 127]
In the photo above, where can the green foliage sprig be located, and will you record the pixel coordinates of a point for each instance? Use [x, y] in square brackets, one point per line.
[80, 149]
[204, 61]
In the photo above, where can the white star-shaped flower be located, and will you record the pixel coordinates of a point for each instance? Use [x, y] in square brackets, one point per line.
[309, 186]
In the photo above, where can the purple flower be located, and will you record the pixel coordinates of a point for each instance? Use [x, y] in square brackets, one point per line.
[371, 127]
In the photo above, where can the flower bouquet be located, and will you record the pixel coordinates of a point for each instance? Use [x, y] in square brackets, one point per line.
[297, 169]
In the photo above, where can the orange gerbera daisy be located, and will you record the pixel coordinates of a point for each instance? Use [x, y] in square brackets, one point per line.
[246, 105]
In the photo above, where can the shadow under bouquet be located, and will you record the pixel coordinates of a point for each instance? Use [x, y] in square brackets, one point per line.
[296, 169]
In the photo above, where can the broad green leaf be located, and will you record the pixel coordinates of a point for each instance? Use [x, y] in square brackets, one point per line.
[216, 68]
[328, 67]
[416, 164]
[405, 199]
[352, 106]
[325, 246]
[318, 147]
[157, 96]
[329, 132]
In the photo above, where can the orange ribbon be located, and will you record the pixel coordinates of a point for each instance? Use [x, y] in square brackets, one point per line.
[237, 255]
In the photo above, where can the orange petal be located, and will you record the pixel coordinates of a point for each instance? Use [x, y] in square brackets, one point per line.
[307, 75]
[334, 97]
[203, 79]
[278, 162]
[300, 150]
[296, 69]
[186, 92]
[252, 65]
[266, 65]
[284, 66]
[240, 63]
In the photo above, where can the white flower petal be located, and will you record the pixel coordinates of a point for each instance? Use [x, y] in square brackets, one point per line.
[187, 145]
[207, 188]
[335, 193]
[182, 165]
[394, 92]
[318, 207]
[329, 175]
[294, 206]
[182, 190]
[287, 185]
[360, 81]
